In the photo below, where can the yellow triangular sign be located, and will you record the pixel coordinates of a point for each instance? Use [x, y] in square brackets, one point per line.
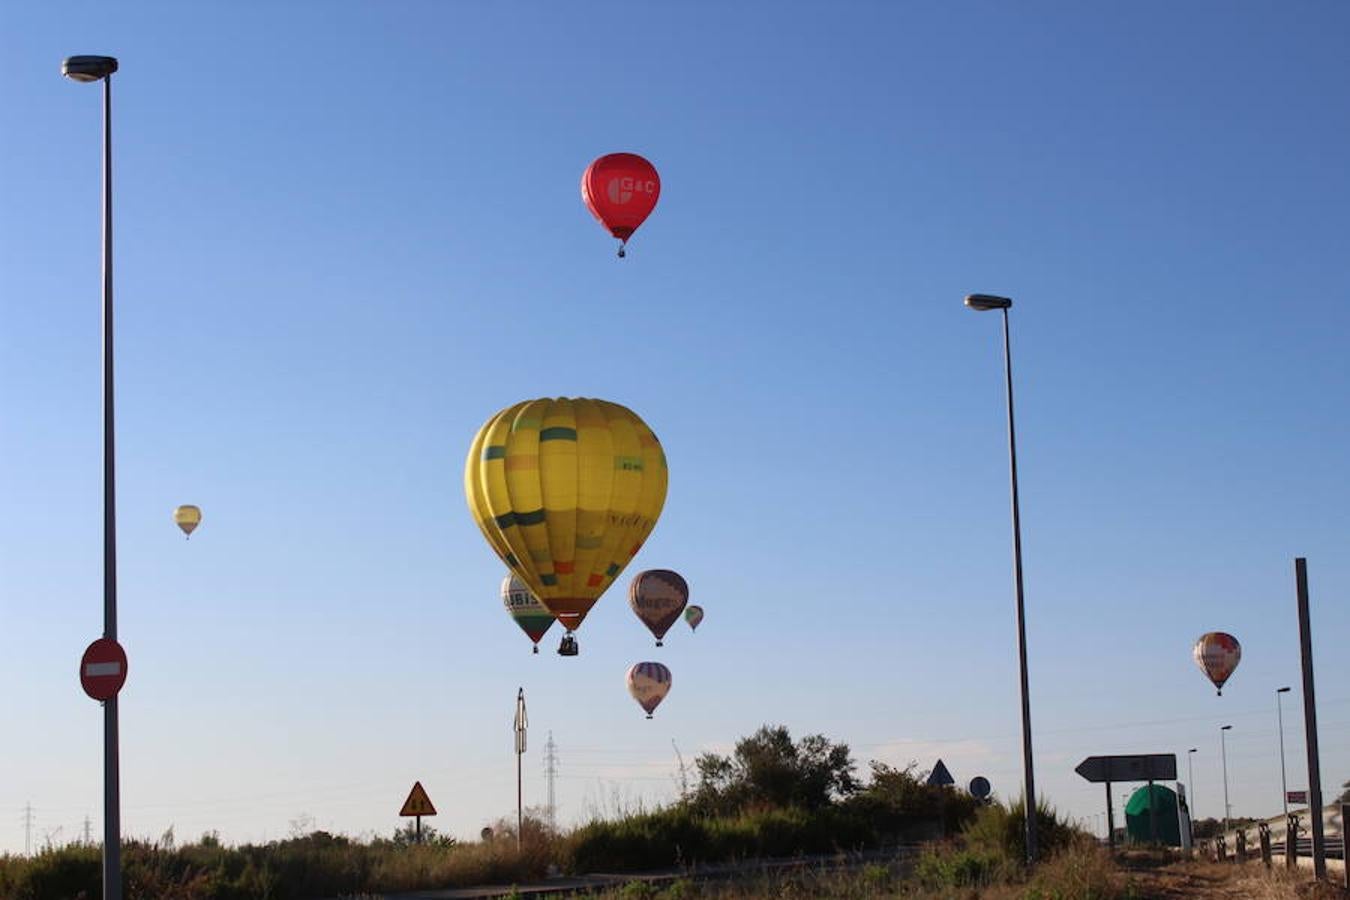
[418, 803]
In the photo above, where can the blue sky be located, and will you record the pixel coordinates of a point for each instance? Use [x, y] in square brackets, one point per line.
[349, 233]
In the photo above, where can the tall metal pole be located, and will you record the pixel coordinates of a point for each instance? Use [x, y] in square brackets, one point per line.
[1028, 774]
[1284, 781]
[521, 724]
[86, 69]
[112, 827]
[1310, 721]
[1223, 752]
[1190, 783]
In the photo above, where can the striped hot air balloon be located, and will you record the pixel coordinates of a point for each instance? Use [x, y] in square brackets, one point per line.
[1217, 654]
[525, 609]
[566, 492]
[649, 682]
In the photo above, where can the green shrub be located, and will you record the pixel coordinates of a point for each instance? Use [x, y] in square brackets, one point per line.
[946, 867]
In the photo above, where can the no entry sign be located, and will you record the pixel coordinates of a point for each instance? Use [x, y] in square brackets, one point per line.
[103, 669]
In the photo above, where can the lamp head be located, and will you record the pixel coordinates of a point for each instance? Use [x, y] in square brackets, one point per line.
[986, 302]
[88, 68]
[1283, 690]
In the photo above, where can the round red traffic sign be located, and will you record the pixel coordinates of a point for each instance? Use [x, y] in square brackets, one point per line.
[103, 669]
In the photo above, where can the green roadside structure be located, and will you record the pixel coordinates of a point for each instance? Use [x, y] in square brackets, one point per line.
[1140, 820]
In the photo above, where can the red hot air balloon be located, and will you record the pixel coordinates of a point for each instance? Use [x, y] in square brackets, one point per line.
[620, 189]
[1217, 654]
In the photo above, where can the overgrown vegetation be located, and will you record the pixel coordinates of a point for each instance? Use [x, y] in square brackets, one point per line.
[773, 796]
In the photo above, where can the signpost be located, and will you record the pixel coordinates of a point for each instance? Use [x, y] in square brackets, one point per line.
[1296, 797]
[1148, 767]
[103, 669]
[418, 804]
[979, 787]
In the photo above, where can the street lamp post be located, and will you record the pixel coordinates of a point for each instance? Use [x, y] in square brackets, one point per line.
[88, 69]
[1190, 782]
[1223, 752]
[1284, 782]
[984, 303]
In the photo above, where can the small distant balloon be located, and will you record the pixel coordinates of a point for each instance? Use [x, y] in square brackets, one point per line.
[694, 616]
[532, 616]
[649, 682]
[658, 596]
[187, 517]
[1217, 654]
[621, 190]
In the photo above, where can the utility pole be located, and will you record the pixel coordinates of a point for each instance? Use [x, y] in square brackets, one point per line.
[88, 838]
[28, 829]
[551, 773]
[1310, 721]
[521, 724]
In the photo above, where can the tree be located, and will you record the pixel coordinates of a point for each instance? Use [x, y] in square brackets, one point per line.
[1345, 793]
[769, 769]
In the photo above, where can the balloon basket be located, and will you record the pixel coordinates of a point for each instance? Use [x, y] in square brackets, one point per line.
[649, 715]
[622, 251]
[536, 648]
[659, 644]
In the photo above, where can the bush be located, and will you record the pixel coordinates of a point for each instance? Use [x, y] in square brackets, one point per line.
[1001, 830]
[946, 867]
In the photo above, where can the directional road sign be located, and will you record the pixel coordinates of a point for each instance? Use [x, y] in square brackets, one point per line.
[1143, 767]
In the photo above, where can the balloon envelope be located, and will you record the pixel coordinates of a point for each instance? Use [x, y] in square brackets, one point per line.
[187, 517]
[693, 615]
[649, 682]
[1217, 654]
[658, 596]
[532, 616]
[621, 190]
[566, 492]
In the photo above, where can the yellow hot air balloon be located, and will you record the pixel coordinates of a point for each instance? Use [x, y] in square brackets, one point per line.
[187, 517]
[566, 491]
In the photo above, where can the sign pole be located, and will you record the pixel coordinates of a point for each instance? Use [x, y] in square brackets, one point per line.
[1110, 820]
[418, 822]
[1310, 721]
[1152, 815]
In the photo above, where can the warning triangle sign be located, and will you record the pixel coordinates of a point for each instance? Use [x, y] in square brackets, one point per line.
[940, 775]
[418, 803]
